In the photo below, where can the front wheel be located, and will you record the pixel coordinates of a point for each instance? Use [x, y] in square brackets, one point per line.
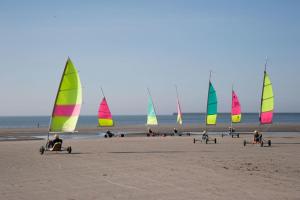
[269, 143]
[69, 149]
[42, 150]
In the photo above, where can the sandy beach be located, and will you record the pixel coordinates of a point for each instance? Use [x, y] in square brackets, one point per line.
[152, 168]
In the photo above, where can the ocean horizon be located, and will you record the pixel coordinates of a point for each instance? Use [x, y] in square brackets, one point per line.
[86, 121]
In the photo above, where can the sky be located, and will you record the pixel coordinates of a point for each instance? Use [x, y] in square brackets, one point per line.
[126, 46]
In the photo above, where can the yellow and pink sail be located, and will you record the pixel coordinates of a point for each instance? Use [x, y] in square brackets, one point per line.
[267, 101]
[104, 115]
[68, 101]
[236, 114]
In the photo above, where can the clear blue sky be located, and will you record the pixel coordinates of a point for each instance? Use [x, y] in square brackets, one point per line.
[127, 46]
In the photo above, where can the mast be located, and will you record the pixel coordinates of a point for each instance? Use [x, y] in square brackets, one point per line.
[63, 74]
[207, 100]
[231, 124]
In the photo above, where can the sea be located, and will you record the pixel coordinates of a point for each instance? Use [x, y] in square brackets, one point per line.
[188, 118]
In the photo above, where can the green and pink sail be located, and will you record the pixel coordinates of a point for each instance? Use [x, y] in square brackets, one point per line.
[212, 105]
[151, 116]
[68, 101]
[104, 114]
[236, 114]
[267, 101]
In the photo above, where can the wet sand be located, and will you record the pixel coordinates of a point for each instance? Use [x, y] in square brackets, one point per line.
[152, 168]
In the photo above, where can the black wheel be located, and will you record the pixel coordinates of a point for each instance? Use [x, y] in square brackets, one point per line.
[262, 143]
[206, 141]
[42, 150]
[269, 143]
[105, 135]
[69, 149]
[245, 142]
[215, 140]
[238, 135]
[122, 135]
[194, 140]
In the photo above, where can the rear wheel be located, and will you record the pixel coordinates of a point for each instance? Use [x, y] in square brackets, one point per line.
[42, 150]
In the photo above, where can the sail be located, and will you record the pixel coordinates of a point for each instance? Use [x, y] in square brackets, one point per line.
[68, 101]
[267, 101]
[179, 113]
[151, 118]
[104, 114]
[211, 117]
[235, 109]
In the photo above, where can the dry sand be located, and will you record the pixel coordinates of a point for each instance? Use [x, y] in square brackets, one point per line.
[152, 168]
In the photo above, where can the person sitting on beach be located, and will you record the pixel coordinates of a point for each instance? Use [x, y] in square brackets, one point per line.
[257, 137]
[56, 139]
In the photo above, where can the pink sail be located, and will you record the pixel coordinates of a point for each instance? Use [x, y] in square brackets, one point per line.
[235, 109]
[104, 114]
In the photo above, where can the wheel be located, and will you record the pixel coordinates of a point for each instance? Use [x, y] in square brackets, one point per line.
[215, 140]
[122, 135]
[245, 142]
[194, 140]
[42, 150]
[269, 143]
[105, 135]
[206, 141]
[262, 143]
[69, 149]
[238, 135]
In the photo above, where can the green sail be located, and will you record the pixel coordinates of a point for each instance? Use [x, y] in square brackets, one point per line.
[68, 101]
[151, 117]
[212, 103]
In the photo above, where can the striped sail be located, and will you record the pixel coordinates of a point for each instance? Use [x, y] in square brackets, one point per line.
[151, 117]
[236, 115]
[267, 101]
[104, 114]
[211, 111]
[68, 101]
[179, 113]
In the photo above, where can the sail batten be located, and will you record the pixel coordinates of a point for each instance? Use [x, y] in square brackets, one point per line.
[68, 101]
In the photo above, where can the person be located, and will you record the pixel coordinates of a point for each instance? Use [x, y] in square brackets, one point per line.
[257, 136]
[204, 135]
[55, 140]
